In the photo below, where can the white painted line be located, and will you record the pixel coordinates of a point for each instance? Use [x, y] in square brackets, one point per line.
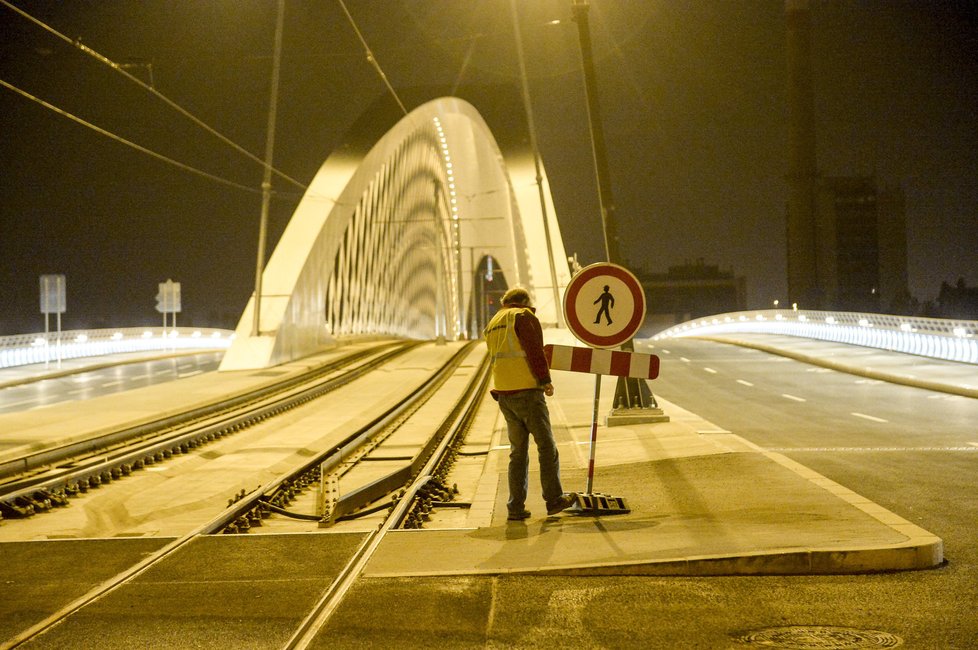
[793, 397]
[869, 417]
[112, 383]
[684, 359]
[744, 383]
[863, 449]
[191, 374]
[140, 377]
[20, 403]
[710, 370]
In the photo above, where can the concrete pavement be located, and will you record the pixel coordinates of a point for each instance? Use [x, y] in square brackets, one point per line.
[703, 502]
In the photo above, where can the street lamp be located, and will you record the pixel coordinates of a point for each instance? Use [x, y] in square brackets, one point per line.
[266, 184]
[630, 393]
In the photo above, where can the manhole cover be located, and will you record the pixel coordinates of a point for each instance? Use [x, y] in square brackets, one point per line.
[821, 637]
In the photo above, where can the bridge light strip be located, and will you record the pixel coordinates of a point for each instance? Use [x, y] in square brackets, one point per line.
[28, 349]
[928, 337]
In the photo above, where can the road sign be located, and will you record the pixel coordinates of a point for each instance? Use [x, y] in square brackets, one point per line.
[604, 305]
[602, 362]
[168, 299]
[53, 294]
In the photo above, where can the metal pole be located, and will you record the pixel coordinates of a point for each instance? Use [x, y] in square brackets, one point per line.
[266, 185]
[531, 126]
[627, 386]
[599, 153]
[594, 434]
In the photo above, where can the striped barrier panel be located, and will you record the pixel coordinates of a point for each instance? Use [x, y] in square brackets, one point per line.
[602, 362]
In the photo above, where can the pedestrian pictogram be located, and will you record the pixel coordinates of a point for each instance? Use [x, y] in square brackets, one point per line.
[607, 302]
[604, 305]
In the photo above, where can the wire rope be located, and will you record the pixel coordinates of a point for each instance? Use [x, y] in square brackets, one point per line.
[150, 89]
[124, 141]
[370, 56]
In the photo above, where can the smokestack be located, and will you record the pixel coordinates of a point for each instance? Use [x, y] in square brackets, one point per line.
[802, 172]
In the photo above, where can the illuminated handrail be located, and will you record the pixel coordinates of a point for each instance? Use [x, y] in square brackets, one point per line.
[938, 338]
[25, 349]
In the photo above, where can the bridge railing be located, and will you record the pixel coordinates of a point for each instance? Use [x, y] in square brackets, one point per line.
[25, 349]
[938, 338]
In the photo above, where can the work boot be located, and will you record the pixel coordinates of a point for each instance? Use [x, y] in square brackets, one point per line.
[563, 502]
[519, 515]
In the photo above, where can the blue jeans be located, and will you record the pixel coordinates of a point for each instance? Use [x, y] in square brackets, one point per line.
[526, 414]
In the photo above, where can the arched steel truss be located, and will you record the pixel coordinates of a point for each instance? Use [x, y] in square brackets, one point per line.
[388, 243]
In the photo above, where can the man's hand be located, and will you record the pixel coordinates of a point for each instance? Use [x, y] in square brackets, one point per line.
[548, 390]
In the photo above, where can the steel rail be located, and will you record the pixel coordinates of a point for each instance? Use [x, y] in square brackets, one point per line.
[446, 437]
[234, 510]
[144, 445]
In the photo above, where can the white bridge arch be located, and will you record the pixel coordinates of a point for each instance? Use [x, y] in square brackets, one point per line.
[388, 243]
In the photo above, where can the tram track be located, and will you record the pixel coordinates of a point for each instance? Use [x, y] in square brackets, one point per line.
[408, 493]
[50, 478]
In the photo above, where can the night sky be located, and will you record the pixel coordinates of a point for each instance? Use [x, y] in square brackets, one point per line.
[693, 101]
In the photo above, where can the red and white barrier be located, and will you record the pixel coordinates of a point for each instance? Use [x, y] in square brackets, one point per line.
[602, 362]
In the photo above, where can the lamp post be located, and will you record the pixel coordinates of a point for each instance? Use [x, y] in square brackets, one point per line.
[266, 184]
[537, 167]
[599, 153]
[630, 394]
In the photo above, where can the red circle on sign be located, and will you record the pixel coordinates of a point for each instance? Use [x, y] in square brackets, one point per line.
[577, 283]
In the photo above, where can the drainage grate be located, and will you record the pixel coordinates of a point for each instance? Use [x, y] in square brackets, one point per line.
[820, 637]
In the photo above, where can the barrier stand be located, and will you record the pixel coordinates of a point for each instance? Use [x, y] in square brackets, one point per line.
[588, 502]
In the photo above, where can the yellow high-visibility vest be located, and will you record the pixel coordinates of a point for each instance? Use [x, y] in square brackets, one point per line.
[510, 370]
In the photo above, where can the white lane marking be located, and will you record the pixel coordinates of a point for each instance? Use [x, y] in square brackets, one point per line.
[139, 377]
[684, 359]
[744, 383]
[191, 374]
[860, 449]
[710, 370]
[112, 383]
[793, 397]
[20, 403]
[868, 417]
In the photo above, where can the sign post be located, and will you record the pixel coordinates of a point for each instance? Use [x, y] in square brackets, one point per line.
[604, 306]
[168, 302]
[53, 301]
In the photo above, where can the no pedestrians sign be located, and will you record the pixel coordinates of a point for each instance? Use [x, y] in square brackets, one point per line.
[604, 305]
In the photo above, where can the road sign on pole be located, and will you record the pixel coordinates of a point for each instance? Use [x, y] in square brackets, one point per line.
[53, 301]
[604, 305]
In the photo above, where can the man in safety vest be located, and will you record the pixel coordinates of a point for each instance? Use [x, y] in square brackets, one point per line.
[521, 378]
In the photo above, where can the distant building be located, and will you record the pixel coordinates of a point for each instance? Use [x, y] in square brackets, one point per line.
[958, 301]
[690, 291]
[861, 245]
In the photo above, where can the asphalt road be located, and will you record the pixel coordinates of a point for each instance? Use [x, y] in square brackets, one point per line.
[105, 381]
[913, 451]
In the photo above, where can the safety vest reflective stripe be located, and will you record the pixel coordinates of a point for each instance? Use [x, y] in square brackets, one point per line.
[510, 370]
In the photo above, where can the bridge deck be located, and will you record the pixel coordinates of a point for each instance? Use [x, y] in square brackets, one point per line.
[702, 502]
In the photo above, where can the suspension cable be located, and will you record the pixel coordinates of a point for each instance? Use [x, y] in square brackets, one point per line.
[115, 66]
[370, 56]
[124, 141]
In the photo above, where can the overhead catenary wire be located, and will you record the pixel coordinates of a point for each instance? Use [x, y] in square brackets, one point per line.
[370, 56]
[128, 143]
[150, 89]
